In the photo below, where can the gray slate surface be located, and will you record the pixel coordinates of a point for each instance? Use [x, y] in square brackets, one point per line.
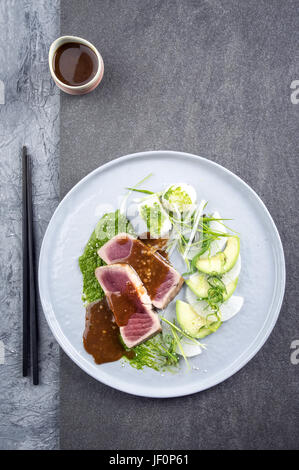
[29, 115]
[211, 78]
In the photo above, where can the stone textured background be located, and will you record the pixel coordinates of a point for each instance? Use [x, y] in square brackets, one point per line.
[30, 115]
[209, 77]
[230, 103]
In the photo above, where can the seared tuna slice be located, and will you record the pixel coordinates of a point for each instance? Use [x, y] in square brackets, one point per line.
[161, 280]
[129, 303]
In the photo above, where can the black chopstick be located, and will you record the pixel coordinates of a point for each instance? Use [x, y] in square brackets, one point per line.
[30, 319]
[32, 292]
[26, 330]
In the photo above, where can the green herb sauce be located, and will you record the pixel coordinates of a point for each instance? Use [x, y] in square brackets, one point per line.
[88, 262]
[108, 226]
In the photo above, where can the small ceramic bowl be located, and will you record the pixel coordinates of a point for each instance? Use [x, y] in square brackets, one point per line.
[81, 89]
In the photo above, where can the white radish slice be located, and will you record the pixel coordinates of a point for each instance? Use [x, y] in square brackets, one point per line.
[191, 298]
[216, 245]
[190, 348]
[231, 307]
[227, 310]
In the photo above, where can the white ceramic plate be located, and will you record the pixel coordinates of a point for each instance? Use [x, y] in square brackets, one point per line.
[262, 279]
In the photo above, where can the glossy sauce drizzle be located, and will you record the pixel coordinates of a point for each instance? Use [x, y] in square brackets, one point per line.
[156, 245]
[101, 336]
[151, 267]
[126, 303]
[75, 64]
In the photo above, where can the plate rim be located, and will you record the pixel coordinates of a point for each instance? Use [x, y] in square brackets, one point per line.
[255, 345]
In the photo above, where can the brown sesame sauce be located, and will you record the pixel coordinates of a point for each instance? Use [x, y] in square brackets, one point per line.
[152, 269]
[156, 245]
[124, 304]
[101, 336]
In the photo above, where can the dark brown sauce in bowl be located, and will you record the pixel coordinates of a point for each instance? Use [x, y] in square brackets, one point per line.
[75, 64]
[101, 337]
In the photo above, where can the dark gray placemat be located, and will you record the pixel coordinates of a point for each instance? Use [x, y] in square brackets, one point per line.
[211, 78]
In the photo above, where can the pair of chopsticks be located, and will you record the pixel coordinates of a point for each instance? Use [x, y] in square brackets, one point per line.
[30, 320]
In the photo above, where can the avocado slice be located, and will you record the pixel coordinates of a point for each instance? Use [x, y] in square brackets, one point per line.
[230, 289]
[222, 261]
[231, 252]
[192, 323]
[200, 286]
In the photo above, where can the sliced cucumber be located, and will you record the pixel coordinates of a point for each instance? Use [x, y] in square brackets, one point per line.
[188, 319]
[200, 286]
[230, 289]
[212, 265]
[227, 310]
[207, 330]
[222, 261]
[233, 273]
[190, 348]
[193, 324]
[231, 252]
